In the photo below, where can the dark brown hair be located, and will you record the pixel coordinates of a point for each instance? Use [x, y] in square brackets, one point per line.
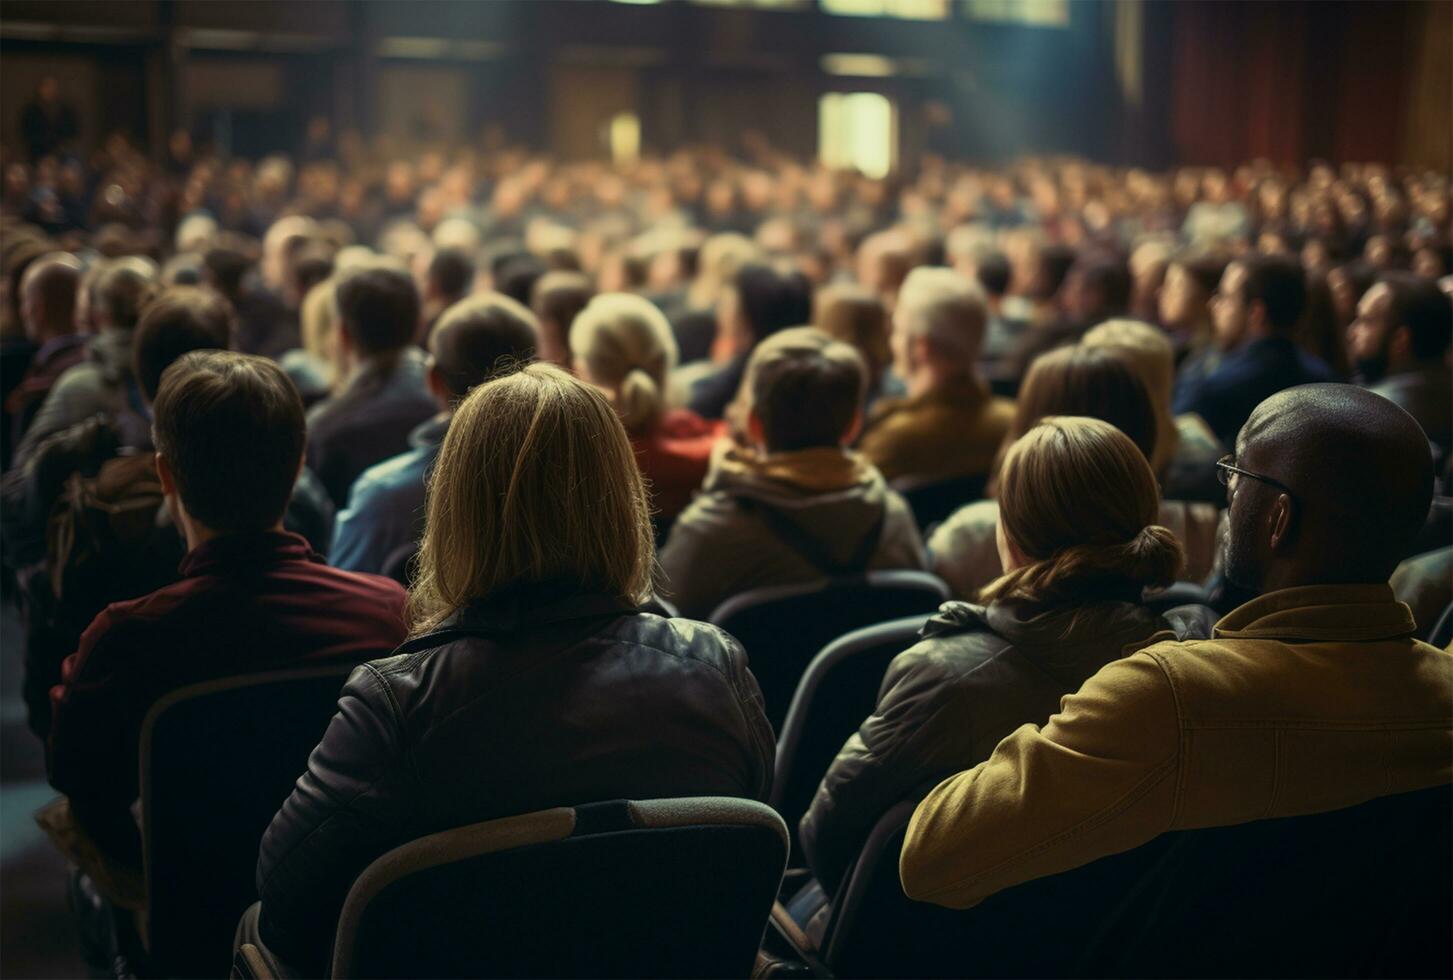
[181, 319]
[231, 428]
[806, 388]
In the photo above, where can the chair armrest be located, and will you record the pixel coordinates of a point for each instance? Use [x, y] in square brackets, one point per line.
[249, 964]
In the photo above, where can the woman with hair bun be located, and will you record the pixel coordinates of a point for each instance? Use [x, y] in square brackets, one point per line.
[623, 345]
[1080, 543]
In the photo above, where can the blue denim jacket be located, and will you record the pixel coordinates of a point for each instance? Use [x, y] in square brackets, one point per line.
[386, 504]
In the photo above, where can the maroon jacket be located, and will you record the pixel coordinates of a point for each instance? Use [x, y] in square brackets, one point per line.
[246, 603]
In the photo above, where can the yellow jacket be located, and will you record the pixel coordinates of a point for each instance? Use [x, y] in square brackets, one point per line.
[949, 432]
[1304, 700]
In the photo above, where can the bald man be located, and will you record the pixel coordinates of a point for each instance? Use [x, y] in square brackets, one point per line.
[472, 340]
[1314, 696]
[48, 293]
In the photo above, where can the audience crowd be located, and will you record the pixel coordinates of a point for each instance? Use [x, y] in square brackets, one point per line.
[503, 433]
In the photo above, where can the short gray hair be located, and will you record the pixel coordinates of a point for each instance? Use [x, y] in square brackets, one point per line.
[946, 309]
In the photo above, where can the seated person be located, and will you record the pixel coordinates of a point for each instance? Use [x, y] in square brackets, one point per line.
[1399, 343]
[1079, 539]
[254, 595]
[857, 316]
[531, 666]
[947, 425]
[795, 506]
[1097, 288]
[102, 383]
[1256, 308]
[623, 345]
[759, 302]
[471, 340]
[556, 300]
[380, 395]
[47, 313]
[1328, 486]
[1186, 450]
[1083, 380]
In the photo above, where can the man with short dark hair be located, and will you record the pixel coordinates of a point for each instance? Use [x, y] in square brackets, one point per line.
[383, 395]
[1399, 343]
[558, 297]
[48, 291]
[448, 279]
[473, 339]
[253, 597]
[1260, 300]
[1314, 696]
[797, 506]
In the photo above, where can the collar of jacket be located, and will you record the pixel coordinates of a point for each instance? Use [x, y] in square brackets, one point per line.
[967, 391]
[1055, 632]
[1320, 612]
[818, 470]
[530, 605]
[430, 433]
[246, 548]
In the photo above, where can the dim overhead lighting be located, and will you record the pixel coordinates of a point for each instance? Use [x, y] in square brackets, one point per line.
[859, 65]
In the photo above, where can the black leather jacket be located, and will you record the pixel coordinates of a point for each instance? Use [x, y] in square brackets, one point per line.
[977, 674]
[515, 705]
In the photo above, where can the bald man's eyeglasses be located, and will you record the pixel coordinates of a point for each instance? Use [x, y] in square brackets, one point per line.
[1226, 467]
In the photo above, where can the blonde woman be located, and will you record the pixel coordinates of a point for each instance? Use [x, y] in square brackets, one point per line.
[622, 344]
[532, 678]
[313, 366]
[1080, 542]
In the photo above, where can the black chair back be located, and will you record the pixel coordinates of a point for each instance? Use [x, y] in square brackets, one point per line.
[783, 627]
[936, 500]
[1363, 891]
[839, 689]
[659, 888]
[1441, 635]
[217, 761]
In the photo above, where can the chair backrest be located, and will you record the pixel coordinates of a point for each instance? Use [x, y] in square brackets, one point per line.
[838, 690]
[658, 888]
[217, 761]
[936, 500]
[1363, 891]
[783, 627]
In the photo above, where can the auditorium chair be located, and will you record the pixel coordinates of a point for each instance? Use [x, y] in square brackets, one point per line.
[1441, 635]
[934, 501]
[655, 888]
[838, 690]
[1363, 891]
[783, 627]
[217, 761]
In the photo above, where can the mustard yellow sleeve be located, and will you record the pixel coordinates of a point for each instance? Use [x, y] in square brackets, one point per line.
[1098, 779]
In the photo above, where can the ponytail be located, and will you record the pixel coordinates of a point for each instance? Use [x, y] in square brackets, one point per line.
[639, 401]
[1151, 559]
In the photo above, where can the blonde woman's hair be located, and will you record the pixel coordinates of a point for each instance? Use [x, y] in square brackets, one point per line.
[627, 346]
[1078, 499]
[859, 317]
[717, 263]
[1149, 354]
[318, 319]
[536, 482]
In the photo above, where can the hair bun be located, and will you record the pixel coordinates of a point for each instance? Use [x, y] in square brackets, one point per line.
[1156, 555]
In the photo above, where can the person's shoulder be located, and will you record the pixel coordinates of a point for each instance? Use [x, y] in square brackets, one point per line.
[393, 475]
[689, 641]
[358, 585]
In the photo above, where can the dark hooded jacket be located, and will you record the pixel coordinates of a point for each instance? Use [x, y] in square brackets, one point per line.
[977, 674]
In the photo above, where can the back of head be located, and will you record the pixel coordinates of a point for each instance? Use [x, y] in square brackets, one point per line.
[1424, 309]
[993, 272]
[1050, 271]
[225, 269]
[516, 278]
[231, 429]
[805, 388]
[557, 299]
[479, 337]
[946, 310]
[720, 258]
[124, 288]
[53, 280]
[318, 317]
[1360, 470]
[451, 270]
[179, 320]
[1277, 282]
[773, 301]
[496, 515]
[1149, 354]
[1079, 502]
[856, 316]
[1102, 287]
[380, 308]
[1091, 382]
[625, 345]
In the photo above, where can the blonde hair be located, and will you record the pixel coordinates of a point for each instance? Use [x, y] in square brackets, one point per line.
[627, 346]
[947, 309]
[859, 317]
[318, 318]
[535, 482]
[1148, 352]
[717, 263]
[1078, 499]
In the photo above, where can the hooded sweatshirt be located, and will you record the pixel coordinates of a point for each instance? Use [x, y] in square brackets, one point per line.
[785, 519]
